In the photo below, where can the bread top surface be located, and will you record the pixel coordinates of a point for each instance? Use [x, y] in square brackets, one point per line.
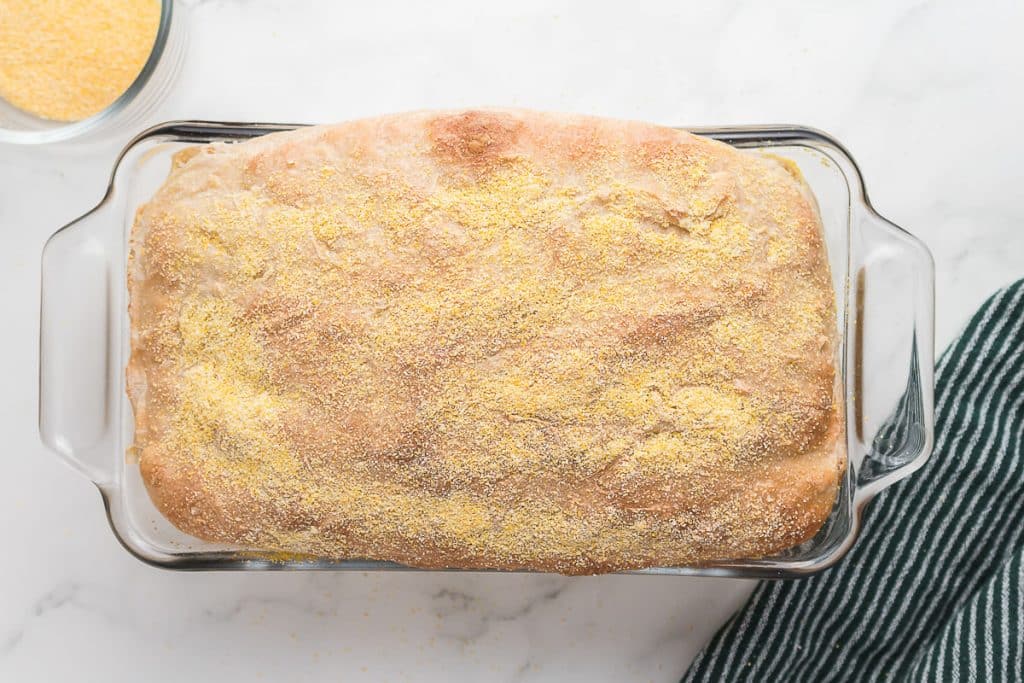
[488, 338]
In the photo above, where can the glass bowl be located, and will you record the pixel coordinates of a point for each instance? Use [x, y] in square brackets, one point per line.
[23, 128]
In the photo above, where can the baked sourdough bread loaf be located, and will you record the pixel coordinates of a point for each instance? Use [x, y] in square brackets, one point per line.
[495, 338]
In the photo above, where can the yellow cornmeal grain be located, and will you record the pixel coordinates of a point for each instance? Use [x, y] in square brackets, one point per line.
[66, 60]
[617, 226]
[490, 316]
[228, 410]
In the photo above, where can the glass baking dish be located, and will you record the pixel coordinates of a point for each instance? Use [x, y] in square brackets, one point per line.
[884, 283]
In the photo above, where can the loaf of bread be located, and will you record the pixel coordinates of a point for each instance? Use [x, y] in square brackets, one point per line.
[486, 339]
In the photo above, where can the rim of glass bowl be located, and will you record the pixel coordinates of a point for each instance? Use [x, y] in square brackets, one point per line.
[74, 129]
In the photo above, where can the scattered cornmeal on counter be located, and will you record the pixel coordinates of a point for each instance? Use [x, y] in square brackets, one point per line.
[66, 60]
[486, 339]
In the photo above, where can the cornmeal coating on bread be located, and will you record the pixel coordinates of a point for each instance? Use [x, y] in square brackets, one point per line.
[486, 339]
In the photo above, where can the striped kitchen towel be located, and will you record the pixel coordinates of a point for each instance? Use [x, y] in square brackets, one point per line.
[934, 589]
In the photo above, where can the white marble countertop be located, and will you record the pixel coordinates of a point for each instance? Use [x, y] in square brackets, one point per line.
[927, 95]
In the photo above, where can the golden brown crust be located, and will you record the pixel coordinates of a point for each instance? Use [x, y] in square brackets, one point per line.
[489, 338]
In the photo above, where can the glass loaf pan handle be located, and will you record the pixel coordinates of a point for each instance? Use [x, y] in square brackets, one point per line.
[893, 351]
[77, 380]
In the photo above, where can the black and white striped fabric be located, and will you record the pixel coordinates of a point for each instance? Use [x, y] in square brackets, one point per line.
[934, 588]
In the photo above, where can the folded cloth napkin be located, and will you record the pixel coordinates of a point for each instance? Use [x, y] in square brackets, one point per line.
[934, 588]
